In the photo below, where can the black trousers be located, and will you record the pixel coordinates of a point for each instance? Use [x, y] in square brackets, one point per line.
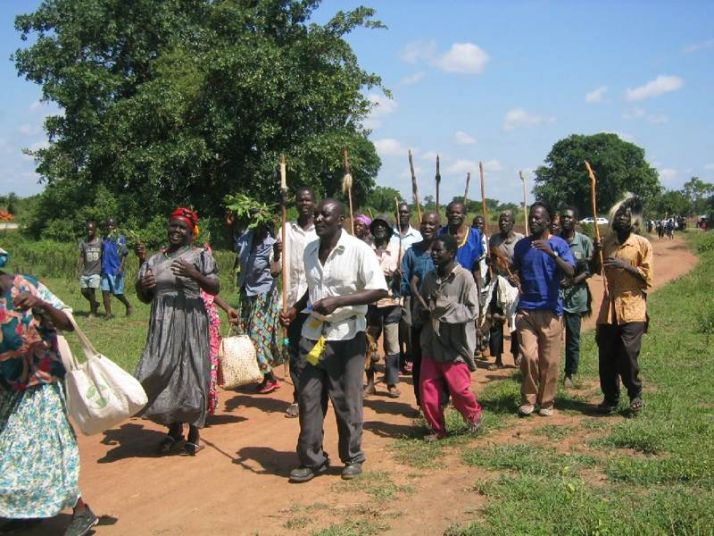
[619, 349]
[297, 362]
[573, 322]
[495, 333]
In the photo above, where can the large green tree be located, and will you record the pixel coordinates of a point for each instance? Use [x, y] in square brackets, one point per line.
[183, 101]
[620, 167]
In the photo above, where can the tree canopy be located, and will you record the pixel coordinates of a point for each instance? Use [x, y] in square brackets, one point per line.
[620, 167]
[171, 102]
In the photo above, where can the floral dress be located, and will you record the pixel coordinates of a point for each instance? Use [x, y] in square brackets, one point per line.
[214, 346]
[39, 464]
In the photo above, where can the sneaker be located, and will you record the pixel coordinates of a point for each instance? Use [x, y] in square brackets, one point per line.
[305, 474]
[545, 412]
[82, 523]
[292, 411]
[268, 387]
[393, 392]
[351, 471]
[474, 426]
[526, 409]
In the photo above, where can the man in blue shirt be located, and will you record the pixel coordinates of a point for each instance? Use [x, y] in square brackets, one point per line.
[114, 252]
[541, 261]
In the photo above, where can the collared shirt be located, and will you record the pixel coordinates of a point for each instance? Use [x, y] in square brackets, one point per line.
[297, 239]
[255, 277]
[505, 245]
[626, 299]
[350, 267]
[408, 239]
[470, 249]
[540, 274]
[575, 298]
[451, 334]
[389, 263]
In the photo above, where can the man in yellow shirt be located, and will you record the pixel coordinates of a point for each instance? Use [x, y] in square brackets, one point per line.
[623, 315]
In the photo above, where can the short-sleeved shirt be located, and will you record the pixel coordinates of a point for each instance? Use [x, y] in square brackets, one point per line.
[255, 277]
[293, 249]
[505, 245]
[540, 275]
[389, 262]
[91, 252]
[408, 239]
[575, 298]
[350, 267]
[416, 262]
[626, 299]
[113, 251]
[470, 249]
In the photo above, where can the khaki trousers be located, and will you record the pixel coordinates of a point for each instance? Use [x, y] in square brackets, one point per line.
[540, 341]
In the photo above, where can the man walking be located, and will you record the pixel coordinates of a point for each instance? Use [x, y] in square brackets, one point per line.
[343, 276]
[541, 261]
[623, 315]
[114, 252]
[90, 259]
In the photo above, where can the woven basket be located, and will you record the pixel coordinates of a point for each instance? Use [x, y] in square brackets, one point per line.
[239, 365]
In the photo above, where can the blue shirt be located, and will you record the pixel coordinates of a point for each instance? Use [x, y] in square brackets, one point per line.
[540, 274]
[112, 253]
[470, 251]
[255, 277]
[416, 261]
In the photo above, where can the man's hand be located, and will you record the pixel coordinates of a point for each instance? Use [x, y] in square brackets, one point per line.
[140, 251]
[543, 246]
[326, 306]
[277, 249]
[287, 317]
[612, 262]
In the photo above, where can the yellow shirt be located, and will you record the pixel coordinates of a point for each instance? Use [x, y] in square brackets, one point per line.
[626, 300]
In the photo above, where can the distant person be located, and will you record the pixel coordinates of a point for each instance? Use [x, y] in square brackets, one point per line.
[623, 314]
[575, 291]
[114, 252]
[361, 226]
[448, 339]
[90, 260]
[343, 276]
[540, 261]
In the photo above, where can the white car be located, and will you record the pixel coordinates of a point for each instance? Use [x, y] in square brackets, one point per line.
[600, 220]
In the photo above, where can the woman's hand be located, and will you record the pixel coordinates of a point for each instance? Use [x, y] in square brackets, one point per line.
[148, 282]
[181, 268]
[233, 316]
[25, 301]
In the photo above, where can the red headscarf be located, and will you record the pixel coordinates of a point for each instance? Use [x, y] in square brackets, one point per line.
[186, 215]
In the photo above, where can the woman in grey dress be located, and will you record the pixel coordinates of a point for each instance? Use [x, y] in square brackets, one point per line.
[175, 367]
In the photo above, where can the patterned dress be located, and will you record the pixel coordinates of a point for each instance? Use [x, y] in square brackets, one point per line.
[214, 345]
[39, 464]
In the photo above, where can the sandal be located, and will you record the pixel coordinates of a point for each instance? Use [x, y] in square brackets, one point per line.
[636, 405]
[191, 449]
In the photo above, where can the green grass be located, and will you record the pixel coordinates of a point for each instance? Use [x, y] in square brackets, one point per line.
[360, 527]
[377, 484]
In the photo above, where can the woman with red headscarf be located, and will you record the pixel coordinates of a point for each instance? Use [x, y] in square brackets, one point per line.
[175, 367]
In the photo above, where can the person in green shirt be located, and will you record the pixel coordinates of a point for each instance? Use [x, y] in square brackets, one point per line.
[574, 290]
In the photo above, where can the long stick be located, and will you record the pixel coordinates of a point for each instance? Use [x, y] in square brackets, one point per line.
[483, 199]
[437, 178]
[466, 190]
[347, 185]
[399, 230]
[284, 264]
[525, 202]
[415, 188]
[593, 200]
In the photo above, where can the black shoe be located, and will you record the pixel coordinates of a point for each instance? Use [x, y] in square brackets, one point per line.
[351, 471]
[82, 523]
[606, 408]
[305, 474]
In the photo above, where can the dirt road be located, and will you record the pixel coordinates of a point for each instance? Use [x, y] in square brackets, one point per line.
[238, 484]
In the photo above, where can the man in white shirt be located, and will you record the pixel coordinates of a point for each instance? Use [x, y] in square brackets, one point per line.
[343, 276]
[299, 234]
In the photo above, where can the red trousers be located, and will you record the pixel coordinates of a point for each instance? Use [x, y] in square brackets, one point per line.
[457, 377]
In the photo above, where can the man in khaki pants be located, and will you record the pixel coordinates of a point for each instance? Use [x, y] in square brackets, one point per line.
[541, 261]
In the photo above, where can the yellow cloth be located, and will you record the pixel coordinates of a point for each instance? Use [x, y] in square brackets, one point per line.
[314, 355]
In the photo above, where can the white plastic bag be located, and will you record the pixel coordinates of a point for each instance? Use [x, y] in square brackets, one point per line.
[238, 362]
[100, 394]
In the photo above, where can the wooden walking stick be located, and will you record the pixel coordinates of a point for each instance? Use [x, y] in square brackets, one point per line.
[466, 190]
[347, 186]
[399, 230]
[484, 208]
[437, 178]
[593, 200]
[525, 202]
[415, 188]
[283, 259]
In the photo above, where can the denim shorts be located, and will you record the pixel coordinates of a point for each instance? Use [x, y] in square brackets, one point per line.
[89, 281]
[113, 283]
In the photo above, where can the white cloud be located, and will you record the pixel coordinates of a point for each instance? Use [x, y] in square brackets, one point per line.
[430, 155]
[668, 174]
[596, 95]
[518, 117]
[407, 173]
[463, 58]
[412, 79]
[381, 107]
[639, 113]
[492, 166]
[709, 167]
[28, 130]
[696, 47]
[462, 167]
[389, 147]
[464, 138]
[659, 86]
[418, 51]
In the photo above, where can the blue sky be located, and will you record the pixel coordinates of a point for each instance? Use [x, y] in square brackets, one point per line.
[498, 82]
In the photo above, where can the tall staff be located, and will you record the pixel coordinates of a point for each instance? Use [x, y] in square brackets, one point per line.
[466, 190]
[525, 202]
[437, 179]
[347, 186]
[283, 260]
[483, 199]
[399, 230]
[593, 200]
[415, 189]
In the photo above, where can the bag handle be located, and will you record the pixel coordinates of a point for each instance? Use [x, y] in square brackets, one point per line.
[84, 342]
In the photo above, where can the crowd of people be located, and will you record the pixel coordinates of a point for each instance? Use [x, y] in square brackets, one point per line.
[438, 297]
